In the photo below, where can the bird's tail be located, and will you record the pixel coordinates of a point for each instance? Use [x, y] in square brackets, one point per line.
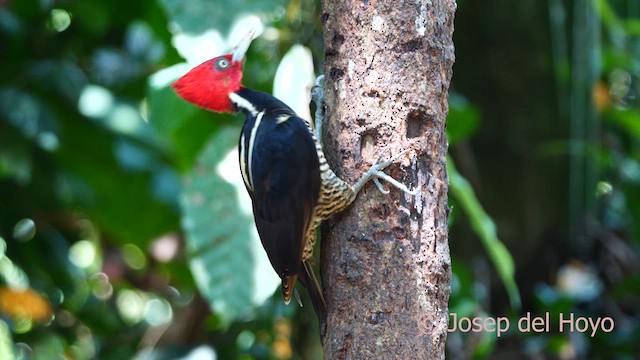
[308, 279]
[288, 287]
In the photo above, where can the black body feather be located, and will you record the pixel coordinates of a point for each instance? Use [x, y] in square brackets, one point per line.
[281, 171]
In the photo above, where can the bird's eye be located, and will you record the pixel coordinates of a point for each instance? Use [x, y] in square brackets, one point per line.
[222, 64]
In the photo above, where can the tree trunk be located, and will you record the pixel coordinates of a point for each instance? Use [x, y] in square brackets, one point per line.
[385, 260]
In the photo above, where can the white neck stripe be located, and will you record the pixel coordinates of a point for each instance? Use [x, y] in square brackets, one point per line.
[252, 139]
[243, 103]
[243, 163]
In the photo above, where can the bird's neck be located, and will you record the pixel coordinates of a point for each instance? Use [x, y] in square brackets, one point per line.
[252, 102]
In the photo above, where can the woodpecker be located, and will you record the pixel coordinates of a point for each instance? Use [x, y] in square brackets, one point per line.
[283, 166]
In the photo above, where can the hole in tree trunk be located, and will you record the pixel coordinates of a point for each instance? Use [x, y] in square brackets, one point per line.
[416, 123]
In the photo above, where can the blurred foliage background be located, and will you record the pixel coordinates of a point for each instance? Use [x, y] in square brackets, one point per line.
[124, 232]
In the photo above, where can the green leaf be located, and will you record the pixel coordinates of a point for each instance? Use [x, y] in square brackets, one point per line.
[632, 26]
[225, 255]
[463, 119]
[607, 14]
[198, 16]
[485, 228]
[48, 347]
[120, 200]
[627, 119]
[184, 126]
[486, 344]
[15, 161]
[27, 113]
[6, 344]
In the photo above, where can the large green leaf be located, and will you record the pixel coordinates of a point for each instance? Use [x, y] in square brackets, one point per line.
[198, 16]
[133, 205]
[183, 126]
[485, 229]
[225, 254]
[6, 343]
[463, 119]
[627, 119]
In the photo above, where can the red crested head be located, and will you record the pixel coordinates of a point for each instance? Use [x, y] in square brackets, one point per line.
[209, 84]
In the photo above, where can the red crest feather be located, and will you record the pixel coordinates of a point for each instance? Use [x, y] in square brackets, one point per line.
[209, 84]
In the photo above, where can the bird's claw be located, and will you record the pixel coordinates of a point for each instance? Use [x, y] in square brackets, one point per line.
[376, 172]
[380, 187]
[383, 164]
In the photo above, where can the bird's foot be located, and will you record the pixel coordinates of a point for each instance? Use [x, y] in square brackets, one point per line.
[376, 173]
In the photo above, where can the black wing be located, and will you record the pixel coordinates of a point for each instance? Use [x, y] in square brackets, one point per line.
[285, 175]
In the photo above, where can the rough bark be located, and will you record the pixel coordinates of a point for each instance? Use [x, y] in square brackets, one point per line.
[385, 261]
